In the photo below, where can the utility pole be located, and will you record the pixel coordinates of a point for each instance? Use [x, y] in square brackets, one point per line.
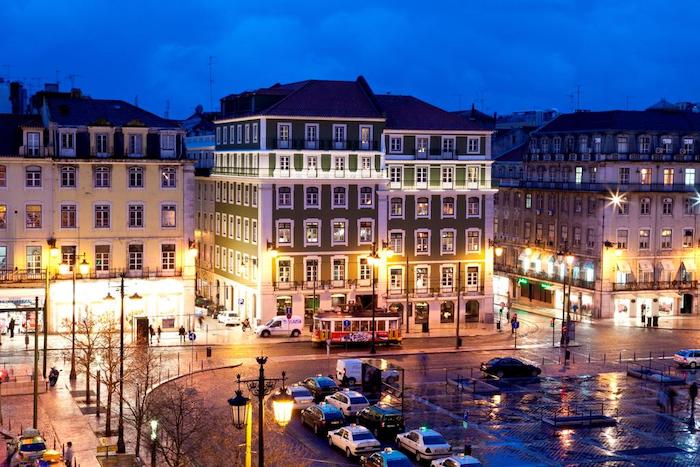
[35, 421]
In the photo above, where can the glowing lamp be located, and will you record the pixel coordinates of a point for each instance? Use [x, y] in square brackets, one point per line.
[64, 268]
[84, 267]
[237, 405]
[498, 251]
[569, 259]
[282, 405]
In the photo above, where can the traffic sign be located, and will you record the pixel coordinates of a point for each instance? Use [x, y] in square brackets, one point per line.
[289, 312]
[346, 324]
[192, 336]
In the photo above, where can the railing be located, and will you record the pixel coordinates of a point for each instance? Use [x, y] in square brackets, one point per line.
[254, 172]
[325, 145]
[517, 270]
[144, 273]
[9, 276]
[597, 187]
[655, 285]
[35, 151]
[612, 156]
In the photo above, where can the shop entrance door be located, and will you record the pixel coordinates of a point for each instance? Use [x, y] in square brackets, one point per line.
[687, 305]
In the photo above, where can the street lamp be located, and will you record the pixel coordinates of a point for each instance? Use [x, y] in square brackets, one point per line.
[84, 269]
[121, 446]
[282, 404]
[566, 256]
[54, 252]
[154, 441]
[373, 259]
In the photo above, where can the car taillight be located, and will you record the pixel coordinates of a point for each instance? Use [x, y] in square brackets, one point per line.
[382, 425]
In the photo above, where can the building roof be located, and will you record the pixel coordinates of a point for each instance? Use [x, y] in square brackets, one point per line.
[10, 134]
[410, 113]
[324, 98]
[515, 154]
[624, 120]
[82, 111]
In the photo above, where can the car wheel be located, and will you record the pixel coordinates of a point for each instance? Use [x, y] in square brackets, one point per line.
[499, 373]
[295, 333]
[692, 365]
[265, 333]
[348, 453]
[330, 441]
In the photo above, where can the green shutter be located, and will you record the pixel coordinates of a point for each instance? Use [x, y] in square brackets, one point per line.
[482, 179]
[461, 176]
[298, 162]
[435, 176]
[377, 163]
[352, 163]
[409, 176]
[271, 161]
[326, 162]
[482, 145]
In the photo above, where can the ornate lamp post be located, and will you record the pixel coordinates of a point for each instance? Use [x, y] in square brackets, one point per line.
[154, 441]
[84, 269]
[282, 404]
[565, 255]
[373, 259]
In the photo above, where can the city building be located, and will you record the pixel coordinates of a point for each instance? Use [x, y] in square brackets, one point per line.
[301, 196]
[199, 137]
[615, 190]
[94, 190]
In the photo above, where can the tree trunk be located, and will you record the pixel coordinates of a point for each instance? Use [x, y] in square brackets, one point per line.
[139, 421]
[87, 385]
[108, 422]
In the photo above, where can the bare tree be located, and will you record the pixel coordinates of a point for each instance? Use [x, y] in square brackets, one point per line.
[108, 361]
[86, 342]
[144, 364]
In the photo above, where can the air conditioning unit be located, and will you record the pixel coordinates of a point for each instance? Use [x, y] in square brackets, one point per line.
[682, 151]
[659, 150]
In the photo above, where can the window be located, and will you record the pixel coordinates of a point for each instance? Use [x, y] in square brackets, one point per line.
[239, 134]
[644, 144]
[312, 234]
[254, 231]
[284, 163]
[339, 198]
[167, 256]
[578, 175]
[447, 175]
[473, 207]
[33, 259]
[667, 145]
[545, 145]
[135, 177]
[247, 133]
[366, 163]
[366, 198]
[339, 232]
[339, 163]
[396, 207]
[667, 207]
[225, 138]
[3, 218]
[102, 257]
[255, 132]
[689, 176]
[365, 270]
[395, 174]
[623, 176]
[284, 197]
[68, 254]
[422, 146]
[218, 135]
[645, 176]
[422, 207]
[583, 144]
[622, 144]
[102, 216]
[396, 278]
[421, 174]
[339, 136]
[396, 242]
[311, 135]
[688, 238]
[239, 227]
[448, 146]
[623, 208]
[473, 240]
[246, 195]
[448, 207]
[622, 237]
[312, 199]
[68, 140]
[472, 279]
[3, 176]
[688, 145]
[68, 176]
[33, 143]
[472, 175]
[645, 206]
[168, 177]
[284, 270]
[396, 144]
[239, 193]
[644, 239]
[528, 200]
[421, 275]
[231, 226]
[473, 145]
[366, 231]
[556, 144]
[527, 230]
[167, 215]
[447, 242]
[284, 233]
[666, 239]
[338, 269]
[689, 206]
[422, 242]
[103, 176]
[33, 177]
[668, 176]
[254, 196]
[447, 274]
[135, 257]
[551, 234]
[135, 145]
[135, 216]
[68, 216]
[311, 270]
[33, 219]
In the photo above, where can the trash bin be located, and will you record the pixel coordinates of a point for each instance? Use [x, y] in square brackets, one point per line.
[567, 355]
[208, 352]
[655, 320]
[498, 325]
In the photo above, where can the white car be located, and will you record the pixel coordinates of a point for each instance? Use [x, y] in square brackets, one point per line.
[349, 402]
[456, 460]
[355, 440]
[687, 357]
[229, 318]
[424, 443]
[302, 397]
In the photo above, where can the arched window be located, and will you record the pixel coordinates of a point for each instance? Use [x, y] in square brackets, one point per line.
[422, 207]
[667, 206]
[339, 199]
[447, 312]
[556, 144]
[396, 207]
[645, 206]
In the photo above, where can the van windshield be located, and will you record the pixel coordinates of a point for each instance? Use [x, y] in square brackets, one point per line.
[269, 323]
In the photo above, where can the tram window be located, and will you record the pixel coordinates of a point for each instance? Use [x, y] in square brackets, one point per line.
[326, 325]
[317, 324]
[364, 325]
[355, 326]
[337, 326]
[393, 324]
[381, 325]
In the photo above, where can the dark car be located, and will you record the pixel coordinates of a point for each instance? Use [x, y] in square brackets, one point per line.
[322, 417]
[386, 458]
[382, 420]
[320, 387]
[509, 367]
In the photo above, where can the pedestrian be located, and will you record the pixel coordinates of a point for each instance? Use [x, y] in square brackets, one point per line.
[671, 398]
[159, 331]
[151, 333]
[11, 327]
[181, 331]
[345, 382]
[661, 399]
[692, 395]
[644, 311]
[424, 363]
[68, 455]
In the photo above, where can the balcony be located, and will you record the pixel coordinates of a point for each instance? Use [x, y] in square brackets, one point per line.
[325, 145]
[603, 187]
[21, 276]
[518, 271]
[397, 293]
[145, 273]
[656, 285]
[612, 157]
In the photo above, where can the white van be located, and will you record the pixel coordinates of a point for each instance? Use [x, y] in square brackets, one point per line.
[281, 326]
[229, 318]
[352, 367]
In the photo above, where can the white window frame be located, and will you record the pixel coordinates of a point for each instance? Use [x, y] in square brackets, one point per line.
[247, 133]
[254, 231]
[447, 176]
[337, 144]
[415, 242]
[335, 242]
[398, 147]
[468, 285]
[395, 176]
[359, 197]
[337, 282]
[474, 216]
[403, 240]
[239, 227]
[291, 269]
[317, 275]
[454, 207]
[319, 227]
[308, 205]
[470, 140]
[311, 143]
[239, 133]
[423, 288]
[359, 222]
[291, 233]
[454, 242]
[422, 151]
[466, 240]
[415, 201]
[291, 197]
[403, 207]
[454, 145]
[446, 288]
[255, 132]
[345, 198]
[421, 168]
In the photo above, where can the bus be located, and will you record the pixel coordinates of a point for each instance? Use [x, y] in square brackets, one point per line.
[353, 325]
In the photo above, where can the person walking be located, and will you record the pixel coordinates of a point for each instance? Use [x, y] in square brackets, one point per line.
[671, 395]
[11, 327]
[692, 395]
[151, 333]
[181, 331]
[68, 455]
[159, 331]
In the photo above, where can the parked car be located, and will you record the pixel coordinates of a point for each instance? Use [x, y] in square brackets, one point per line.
[687, 358]
[424, 443]
[51, 458]
[28, 447]
[322, 417]
[229, 318]
[320, 387]
[509, 367]
[353, 440]
[281, 326]
[386, 458]
[349, 402]
[381, 419]
[456, 460]
[302, 397]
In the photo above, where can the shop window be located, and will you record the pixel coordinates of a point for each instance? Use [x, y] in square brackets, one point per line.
[447, 312]
[471, 314]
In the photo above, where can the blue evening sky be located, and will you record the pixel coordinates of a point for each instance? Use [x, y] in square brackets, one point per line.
[503, 55]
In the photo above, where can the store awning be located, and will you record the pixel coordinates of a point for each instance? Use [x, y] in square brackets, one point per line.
[689, 265]
[646, 266]
[624, 266]
[668, 266]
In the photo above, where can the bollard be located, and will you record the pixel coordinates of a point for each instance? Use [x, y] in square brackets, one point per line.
[589, 357]
[202, 362]
[605, 357]
[620, 358]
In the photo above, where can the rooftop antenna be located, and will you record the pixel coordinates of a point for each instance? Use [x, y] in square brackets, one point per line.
[211, 83]
[167, 109]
